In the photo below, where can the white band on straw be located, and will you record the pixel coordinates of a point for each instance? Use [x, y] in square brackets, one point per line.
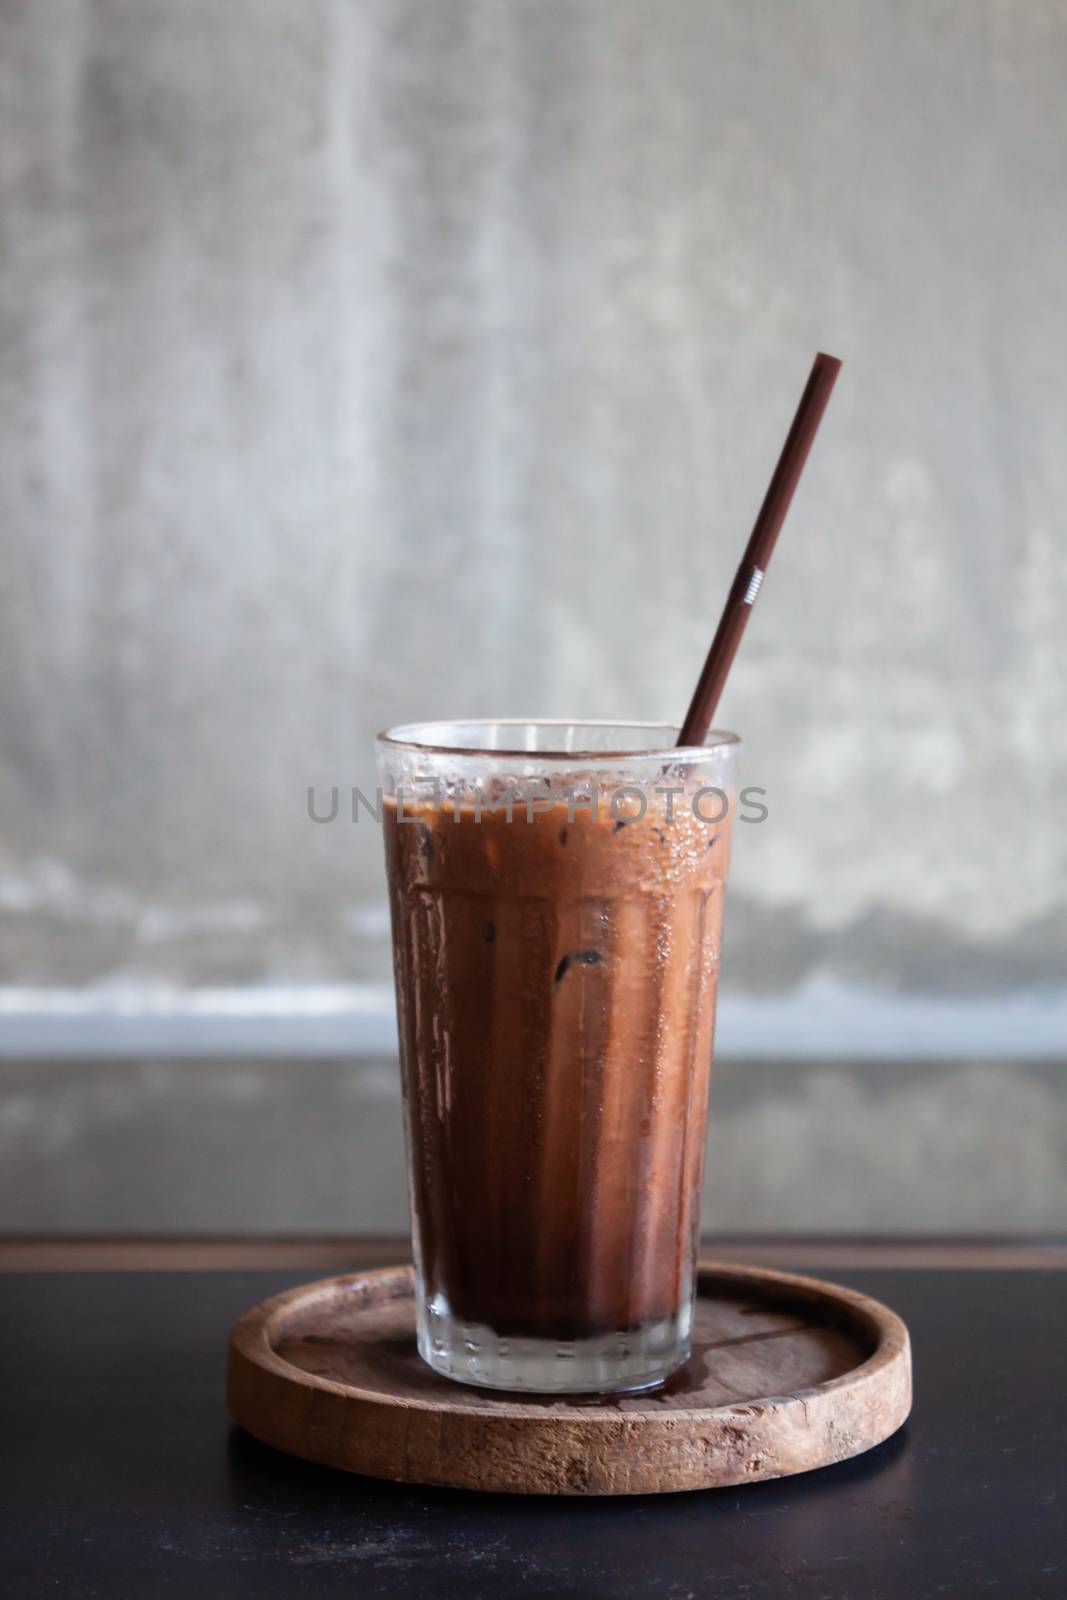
[749, 596]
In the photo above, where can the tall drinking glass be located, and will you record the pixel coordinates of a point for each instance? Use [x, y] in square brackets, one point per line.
[557, 895]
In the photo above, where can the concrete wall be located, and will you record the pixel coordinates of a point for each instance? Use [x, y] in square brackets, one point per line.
[216, 1147]
[366, 360]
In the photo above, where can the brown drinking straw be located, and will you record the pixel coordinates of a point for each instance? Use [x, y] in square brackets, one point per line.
[746, 584]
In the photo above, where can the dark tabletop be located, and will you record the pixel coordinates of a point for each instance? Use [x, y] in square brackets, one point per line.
[120, 1474]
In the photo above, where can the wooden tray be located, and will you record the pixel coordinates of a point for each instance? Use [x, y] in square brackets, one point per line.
[786, 1374]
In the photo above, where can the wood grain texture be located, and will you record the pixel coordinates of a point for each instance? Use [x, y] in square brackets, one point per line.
[787, 1374]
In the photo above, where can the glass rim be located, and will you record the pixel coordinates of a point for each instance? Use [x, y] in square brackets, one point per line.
[405, 736]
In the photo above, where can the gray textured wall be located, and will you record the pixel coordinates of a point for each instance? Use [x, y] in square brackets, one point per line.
[367, 361]
[238, 1146]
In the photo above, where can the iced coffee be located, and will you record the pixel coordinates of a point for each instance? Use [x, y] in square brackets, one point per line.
[557, 919]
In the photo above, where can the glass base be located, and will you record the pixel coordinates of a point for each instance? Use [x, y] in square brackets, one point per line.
[611, 1363]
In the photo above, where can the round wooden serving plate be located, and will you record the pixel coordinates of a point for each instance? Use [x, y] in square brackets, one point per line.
[786, 1374]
